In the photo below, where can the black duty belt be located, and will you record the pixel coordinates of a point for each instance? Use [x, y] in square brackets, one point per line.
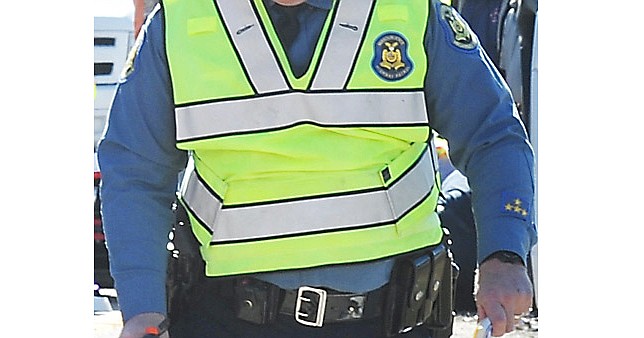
[408, 300]
[313, 307]
[261, 302]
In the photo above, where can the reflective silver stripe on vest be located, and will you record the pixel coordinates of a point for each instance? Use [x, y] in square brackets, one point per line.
[254, 50]
[344, 40]
[264, 71]
[310, 215]
[201, 201]
[280, 111]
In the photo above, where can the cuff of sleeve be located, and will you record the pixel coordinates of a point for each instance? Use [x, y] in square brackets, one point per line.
[140, 293]
[505, 257]
[507, 234]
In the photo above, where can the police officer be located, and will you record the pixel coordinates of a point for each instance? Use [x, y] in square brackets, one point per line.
[310, 182]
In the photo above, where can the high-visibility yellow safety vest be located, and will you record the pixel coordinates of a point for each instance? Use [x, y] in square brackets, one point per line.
[329, 168]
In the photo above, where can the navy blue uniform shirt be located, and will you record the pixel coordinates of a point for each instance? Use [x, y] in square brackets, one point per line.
[468, 103]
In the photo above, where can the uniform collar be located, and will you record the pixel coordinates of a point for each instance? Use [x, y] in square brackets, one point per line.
[322, 4]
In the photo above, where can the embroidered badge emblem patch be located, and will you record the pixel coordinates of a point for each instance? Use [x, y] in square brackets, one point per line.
[461, 35]
[515, 206]
[390, 60]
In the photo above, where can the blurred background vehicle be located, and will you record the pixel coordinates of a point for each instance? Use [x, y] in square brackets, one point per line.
[113, 39]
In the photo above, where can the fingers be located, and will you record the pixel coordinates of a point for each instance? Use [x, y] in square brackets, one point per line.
[509, 320]
[136, 326]
[501, 322]
[504, 290]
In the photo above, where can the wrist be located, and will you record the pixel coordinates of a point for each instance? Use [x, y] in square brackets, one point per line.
[505, 257]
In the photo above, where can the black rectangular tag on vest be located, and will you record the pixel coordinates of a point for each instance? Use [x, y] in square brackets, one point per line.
[385, 174]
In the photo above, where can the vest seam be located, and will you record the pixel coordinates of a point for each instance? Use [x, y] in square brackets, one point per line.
[304, 198]
[297, 124]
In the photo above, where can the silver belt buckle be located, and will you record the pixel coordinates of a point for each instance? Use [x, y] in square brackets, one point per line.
[317, 299]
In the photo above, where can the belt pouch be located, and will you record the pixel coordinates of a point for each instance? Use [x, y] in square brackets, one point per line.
[407, 293]
[439, 283]
[441, 317]
[255, 301]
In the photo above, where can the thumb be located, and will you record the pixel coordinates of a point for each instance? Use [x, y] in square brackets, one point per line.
[480, 312]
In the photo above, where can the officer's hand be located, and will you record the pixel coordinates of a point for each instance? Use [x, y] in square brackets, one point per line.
[135, 326]
[503, 291]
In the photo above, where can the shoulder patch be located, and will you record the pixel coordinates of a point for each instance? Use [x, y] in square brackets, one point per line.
[458, 31]
[514, 205]
[391, 61]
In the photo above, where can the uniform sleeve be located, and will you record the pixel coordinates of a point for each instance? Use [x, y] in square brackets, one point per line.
[139, 165]
[471, 106]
